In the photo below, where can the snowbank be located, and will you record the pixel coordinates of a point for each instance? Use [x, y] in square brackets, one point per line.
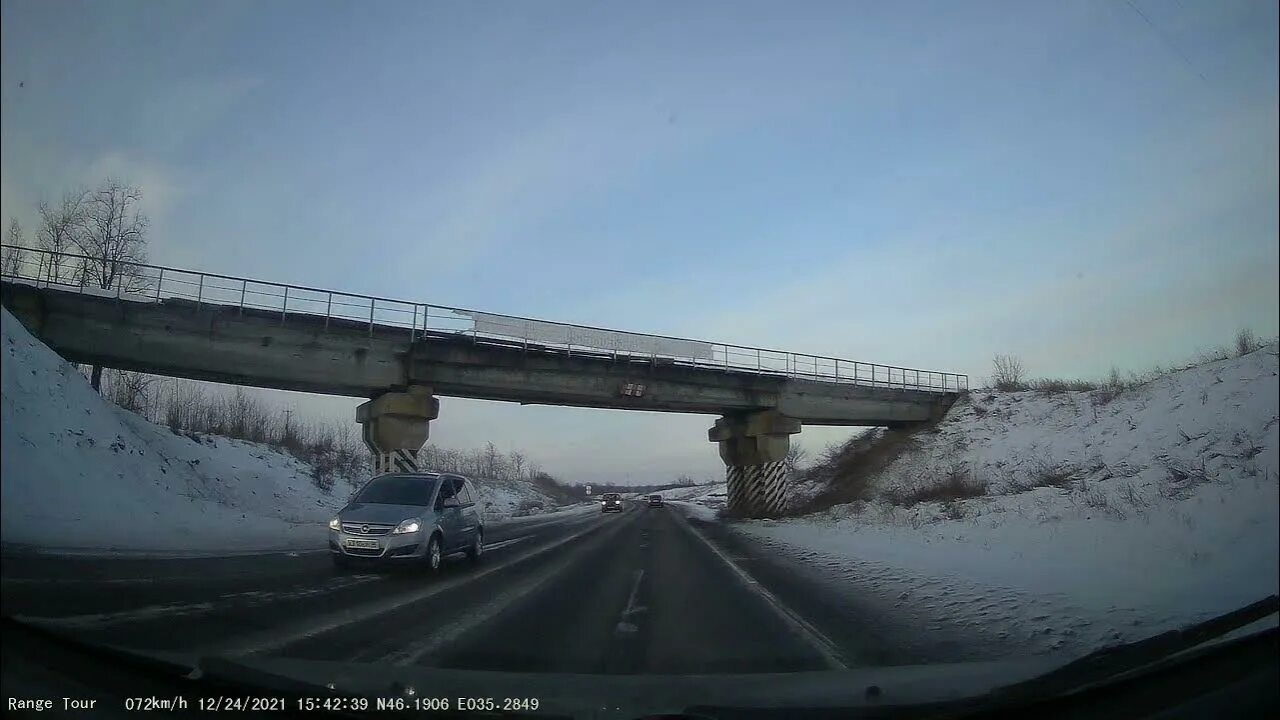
[1106, 519]
[78, 473]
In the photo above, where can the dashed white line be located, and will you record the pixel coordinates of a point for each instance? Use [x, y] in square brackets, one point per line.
[449, 632]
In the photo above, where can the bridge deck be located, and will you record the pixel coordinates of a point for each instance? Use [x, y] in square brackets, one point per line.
[140, 283]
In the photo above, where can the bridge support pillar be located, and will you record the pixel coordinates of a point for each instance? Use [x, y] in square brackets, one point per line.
[394, 426]
[753, 447]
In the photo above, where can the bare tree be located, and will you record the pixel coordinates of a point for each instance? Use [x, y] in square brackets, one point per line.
[517, 464]
[60, 229]
[490, 460]
[11, 263]
[114, 242]
[1007, 373]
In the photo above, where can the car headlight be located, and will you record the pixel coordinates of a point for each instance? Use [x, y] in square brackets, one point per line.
[407, 526]
[335, 524]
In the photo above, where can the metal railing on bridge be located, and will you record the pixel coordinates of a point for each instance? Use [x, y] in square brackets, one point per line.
[139, 282]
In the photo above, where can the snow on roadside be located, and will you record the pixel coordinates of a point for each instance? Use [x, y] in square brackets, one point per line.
[696, 510]
[510, 498]
[79, 474]
[1106, 520]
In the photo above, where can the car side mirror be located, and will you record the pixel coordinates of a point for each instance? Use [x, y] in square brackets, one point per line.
[450, 503]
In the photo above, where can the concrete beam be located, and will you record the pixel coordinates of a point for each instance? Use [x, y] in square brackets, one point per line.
[395, 425]
[398, 420]
[756, 438]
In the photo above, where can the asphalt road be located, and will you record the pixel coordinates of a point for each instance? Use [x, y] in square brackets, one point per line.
[647, 591]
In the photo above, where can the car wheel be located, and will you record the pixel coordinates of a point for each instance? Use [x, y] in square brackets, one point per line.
[434, 554]
[476, 551]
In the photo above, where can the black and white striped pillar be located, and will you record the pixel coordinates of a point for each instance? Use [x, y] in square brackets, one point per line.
[399, 461]
[757, 490]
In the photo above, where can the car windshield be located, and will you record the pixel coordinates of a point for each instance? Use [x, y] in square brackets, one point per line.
[398, 490]
[380, 334]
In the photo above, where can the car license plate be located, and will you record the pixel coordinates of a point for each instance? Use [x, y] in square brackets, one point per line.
[362, 544]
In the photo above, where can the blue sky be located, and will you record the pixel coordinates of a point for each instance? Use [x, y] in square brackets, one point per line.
[917, 183]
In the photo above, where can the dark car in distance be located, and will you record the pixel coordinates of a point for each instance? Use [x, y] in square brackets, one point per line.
[611, 502]
[655, 501]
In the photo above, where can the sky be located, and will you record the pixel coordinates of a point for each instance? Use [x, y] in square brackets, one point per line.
[924, 184]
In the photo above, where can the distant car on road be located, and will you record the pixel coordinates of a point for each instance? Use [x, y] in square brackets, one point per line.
[407, 518]
[611, 502]
[655, 501]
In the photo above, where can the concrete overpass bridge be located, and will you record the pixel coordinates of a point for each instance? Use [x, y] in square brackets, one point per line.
[402, 355]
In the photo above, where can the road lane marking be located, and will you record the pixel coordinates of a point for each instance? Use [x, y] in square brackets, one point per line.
[490, 547]
[312, 626]
[624, 626]
[823, 645]
[457, 627]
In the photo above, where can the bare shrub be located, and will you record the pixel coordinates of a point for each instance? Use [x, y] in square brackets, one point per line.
[1097, 499]
[1053, 386]
[528, 507]
[1201, 358]
[956, 483]
[1046, 474]
[554, 488]
[1181, 479]
[1007, 373]
[795, 457]
[1246, 342]
[133, 392]
[1129, 493]
[847, 470]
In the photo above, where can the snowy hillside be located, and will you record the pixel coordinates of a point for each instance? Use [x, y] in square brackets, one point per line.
[505, 498]
[1093, 518]
[77, 472]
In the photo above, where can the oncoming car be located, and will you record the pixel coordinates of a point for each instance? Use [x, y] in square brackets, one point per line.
[611, 502]
[408, 518]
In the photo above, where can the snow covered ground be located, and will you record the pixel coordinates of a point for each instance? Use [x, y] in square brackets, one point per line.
[1104, 519]
[78, 473]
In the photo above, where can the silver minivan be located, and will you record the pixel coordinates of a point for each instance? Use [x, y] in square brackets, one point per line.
[406, 518]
